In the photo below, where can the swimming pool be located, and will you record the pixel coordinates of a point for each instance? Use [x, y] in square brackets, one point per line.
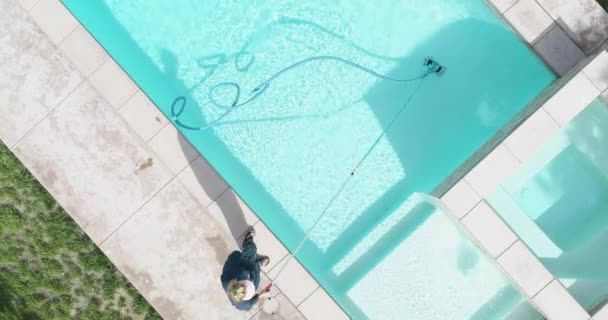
[288, 151]
[557, 202]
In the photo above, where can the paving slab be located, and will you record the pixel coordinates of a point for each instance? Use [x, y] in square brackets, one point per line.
[523, 266]
[202, 181]
[27, 4]
[577, 94]
[54, 19]
[113, 83]
[491, 232]
[558, 50]
[287, 311]
[88, 159]
[585, 21]
[485, 177]
[18, 30]
[143, 116]
[529, 19]
[295, 282]
[173, 148]
[173, 252]
[461, 199]
[84, 51]
[557, 304]
[531, 135]
[502, 5]
[320, 306]
[601, 314]
[33, 79]
[232, 214]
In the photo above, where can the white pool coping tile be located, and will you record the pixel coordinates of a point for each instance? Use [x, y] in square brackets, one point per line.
[54, 19]
[171, 256]
[232, 213]
[597, 71]
[461, 199]
[295, 282]
[502, 5]
[529, 18]
[113, 83]
[35, 77]
[269, 244]
[78, 152]
[143, 116]
[531, 135]
[489, 229]
[525, 268]
[557, 304]
[173, 148]
[83, 50]
[320, 306]
[485, 177]
[571, 99]
[286, 311]
[203, 182]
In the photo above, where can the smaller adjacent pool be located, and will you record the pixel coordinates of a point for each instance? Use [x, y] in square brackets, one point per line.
[558, 204]
[434, 272]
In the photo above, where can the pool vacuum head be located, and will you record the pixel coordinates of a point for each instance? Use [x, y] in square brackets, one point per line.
[434, 66]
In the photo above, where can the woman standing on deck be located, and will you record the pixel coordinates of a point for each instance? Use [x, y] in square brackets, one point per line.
[241, 274]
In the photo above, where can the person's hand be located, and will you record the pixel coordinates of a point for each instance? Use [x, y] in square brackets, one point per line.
[266, 291]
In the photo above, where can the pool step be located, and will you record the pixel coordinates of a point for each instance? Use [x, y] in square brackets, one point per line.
[378, 247]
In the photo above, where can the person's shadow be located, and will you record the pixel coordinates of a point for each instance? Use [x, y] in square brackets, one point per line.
[223, 196]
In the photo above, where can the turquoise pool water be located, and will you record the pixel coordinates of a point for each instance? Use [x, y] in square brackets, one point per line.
[557, 202]
[288, 151]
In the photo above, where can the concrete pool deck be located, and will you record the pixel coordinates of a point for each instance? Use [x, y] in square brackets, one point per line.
[562, 32]
[167, 220]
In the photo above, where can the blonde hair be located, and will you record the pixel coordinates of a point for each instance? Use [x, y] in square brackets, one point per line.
[236, 291]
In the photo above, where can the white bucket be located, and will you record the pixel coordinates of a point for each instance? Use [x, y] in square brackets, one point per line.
[271, 306]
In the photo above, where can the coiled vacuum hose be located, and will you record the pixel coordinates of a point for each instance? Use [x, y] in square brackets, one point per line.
[179, 104]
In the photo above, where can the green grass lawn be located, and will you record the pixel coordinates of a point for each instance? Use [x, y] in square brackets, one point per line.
[603, 3]
[49, 268]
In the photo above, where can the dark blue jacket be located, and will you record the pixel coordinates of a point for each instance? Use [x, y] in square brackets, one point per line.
[237, 268]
